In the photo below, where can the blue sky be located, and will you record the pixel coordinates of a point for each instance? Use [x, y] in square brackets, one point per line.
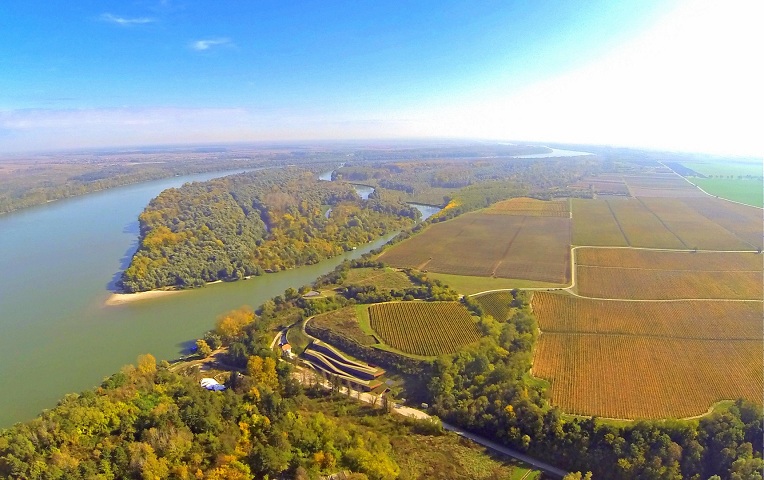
[112, 73]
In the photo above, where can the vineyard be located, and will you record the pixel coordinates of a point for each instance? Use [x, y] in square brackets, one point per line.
[427, 329]
[650, 284]
[383, 279]
[673, 223]
[496, 304]
[651, 259]
[623, 376]
[558, 313]
[530, 207]
[744, 222]
[640, 226]
[480, 244]
[692, 228]
[594, 224]
[626, 359]
[661, 185]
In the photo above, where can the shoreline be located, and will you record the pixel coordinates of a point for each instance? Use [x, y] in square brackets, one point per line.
[123, 298]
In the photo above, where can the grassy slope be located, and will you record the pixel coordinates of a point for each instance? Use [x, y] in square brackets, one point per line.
[468, 285]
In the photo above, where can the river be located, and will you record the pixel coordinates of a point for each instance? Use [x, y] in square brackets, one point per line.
[58, 263]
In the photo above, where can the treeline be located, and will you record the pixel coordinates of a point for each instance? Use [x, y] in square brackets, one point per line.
[437, 182]
[248, 224]
[486, 389]
[66, 178]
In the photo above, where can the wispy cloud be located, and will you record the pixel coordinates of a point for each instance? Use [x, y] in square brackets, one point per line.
[202, 45]
[125, 21]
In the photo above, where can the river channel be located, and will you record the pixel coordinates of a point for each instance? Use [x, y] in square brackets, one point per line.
[58, 262]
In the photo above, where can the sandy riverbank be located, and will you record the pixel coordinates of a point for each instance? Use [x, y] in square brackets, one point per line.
[122, 298]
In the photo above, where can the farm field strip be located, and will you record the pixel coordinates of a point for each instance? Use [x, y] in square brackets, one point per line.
[424, 328]
[636, 284]
[530, 207]
[637, 377]
[669, 259]
[695, 230]
[595, 224]
[640, 226]
[480, 244]
[743, 221]
[559, 313]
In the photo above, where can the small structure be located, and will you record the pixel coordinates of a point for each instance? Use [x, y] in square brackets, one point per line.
[312, 294]
[286, 350]
[211, 384]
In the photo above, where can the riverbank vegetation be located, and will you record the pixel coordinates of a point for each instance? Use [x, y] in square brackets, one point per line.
[247, 224]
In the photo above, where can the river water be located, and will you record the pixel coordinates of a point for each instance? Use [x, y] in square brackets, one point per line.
[58, 262]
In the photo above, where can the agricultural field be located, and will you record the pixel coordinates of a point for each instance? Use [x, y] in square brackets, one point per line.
[740, 182]
[656, 259]
[344, 322]
[640, 226]
[625, 376]
[626, 359]
[595, 224]
[530, 207]
[745, 222]
[604, 184]
[383, 279]
[693, 229]
[655, 284]
[662, 185]
[489, 245]
[424, 328]
[557, 313]
[671, 223]
[657, 275]
[496, 304]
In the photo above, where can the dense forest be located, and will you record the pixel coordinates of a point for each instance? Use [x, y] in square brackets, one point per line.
[242, 225]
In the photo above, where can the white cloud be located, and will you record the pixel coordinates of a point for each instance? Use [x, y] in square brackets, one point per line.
[124, 21]
[202, 45]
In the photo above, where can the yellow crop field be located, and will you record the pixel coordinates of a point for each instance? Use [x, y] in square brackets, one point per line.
[660, 260]
[424, 328]
[627, 359]
[654, 284]
[640, 226]
[626, 376]
[691, 227]
[485, 245]
[595, 224]
[530, 207]
[696, 319]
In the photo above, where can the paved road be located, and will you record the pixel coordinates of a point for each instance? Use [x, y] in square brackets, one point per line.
[506, 451]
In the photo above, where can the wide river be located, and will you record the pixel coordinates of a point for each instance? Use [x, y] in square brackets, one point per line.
[57, 264]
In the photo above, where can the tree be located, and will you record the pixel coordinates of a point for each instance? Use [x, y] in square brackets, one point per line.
[203, 349]
[147, 364]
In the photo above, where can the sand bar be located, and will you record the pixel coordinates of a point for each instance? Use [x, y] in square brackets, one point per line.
[122, 298]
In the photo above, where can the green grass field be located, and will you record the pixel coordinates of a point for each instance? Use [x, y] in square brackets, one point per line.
[745, 190]
[468, 285]
[384, 279]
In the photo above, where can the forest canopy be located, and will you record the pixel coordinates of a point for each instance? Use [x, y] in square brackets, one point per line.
[247, 224]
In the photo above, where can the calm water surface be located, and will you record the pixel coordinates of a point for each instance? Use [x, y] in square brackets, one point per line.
[58, 262]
